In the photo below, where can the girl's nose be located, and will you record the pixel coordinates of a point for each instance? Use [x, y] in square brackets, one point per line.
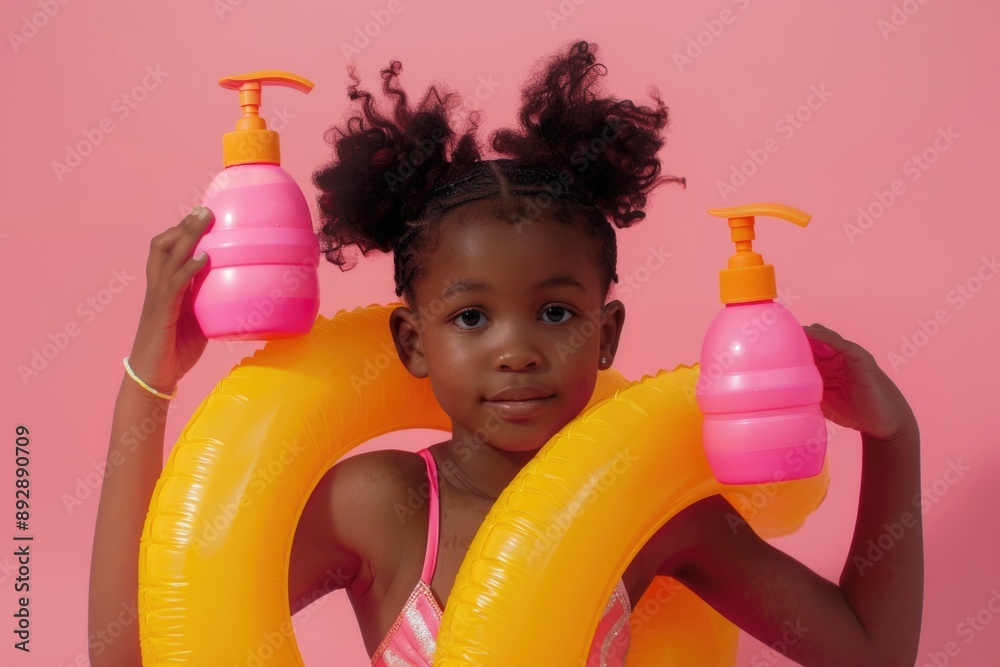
[517, 361]
[517, 354]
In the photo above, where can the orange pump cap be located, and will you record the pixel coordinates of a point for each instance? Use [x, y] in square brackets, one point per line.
[747, 277]
[252, 141]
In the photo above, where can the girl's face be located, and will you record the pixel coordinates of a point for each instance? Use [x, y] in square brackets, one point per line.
[510, 326]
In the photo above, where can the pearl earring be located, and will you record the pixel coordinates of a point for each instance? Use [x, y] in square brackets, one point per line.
[604, 360]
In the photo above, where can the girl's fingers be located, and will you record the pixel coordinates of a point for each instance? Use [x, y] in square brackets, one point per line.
[160, 248]
[819, 332]
[173, 248]
[827, 343]
[183, 275]
[162, 244]
[193, 227]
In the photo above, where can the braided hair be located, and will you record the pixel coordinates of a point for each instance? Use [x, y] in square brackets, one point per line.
[577, 156]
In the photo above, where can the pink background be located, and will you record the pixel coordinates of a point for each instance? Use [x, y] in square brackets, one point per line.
[888, 96]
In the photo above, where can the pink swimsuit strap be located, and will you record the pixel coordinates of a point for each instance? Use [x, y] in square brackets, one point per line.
[433, 519]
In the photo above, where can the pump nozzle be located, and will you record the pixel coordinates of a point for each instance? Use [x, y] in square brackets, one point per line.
[252, 141]
[748, 278]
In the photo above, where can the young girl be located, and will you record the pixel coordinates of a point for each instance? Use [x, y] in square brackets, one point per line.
[497, 262]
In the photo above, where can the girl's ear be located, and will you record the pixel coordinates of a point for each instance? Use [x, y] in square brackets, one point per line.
[405, 328]
[612, 322]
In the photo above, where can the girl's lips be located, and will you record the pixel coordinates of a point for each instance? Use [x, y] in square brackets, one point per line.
[518, 393]
[515, 410]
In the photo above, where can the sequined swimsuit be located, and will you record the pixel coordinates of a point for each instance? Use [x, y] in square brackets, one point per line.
[411, 639]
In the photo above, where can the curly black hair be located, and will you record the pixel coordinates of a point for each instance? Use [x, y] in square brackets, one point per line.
[577, 156]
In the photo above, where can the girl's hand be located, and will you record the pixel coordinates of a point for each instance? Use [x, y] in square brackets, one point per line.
[169, 341]
[856, 392]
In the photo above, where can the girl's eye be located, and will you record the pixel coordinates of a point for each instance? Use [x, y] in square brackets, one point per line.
[561, 314]
[469, 319]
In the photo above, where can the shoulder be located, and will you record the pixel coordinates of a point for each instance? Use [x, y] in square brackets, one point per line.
[387, 471]
[374, 490]
[355, 518]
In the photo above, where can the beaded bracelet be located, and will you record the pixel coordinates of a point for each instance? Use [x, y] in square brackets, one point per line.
[146, 386]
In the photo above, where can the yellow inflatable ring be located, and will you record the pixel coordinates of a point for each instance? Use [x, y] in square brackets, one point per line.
[214, 554]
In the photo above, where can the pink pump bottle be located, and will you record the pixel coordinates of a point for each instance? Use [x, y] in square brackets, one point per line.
[260, 280]
[759, 389]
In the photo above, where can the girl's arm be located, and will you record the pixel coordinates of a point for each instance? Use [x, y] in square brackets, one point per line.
[873, 617]
[135, 460]
[168, 342]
